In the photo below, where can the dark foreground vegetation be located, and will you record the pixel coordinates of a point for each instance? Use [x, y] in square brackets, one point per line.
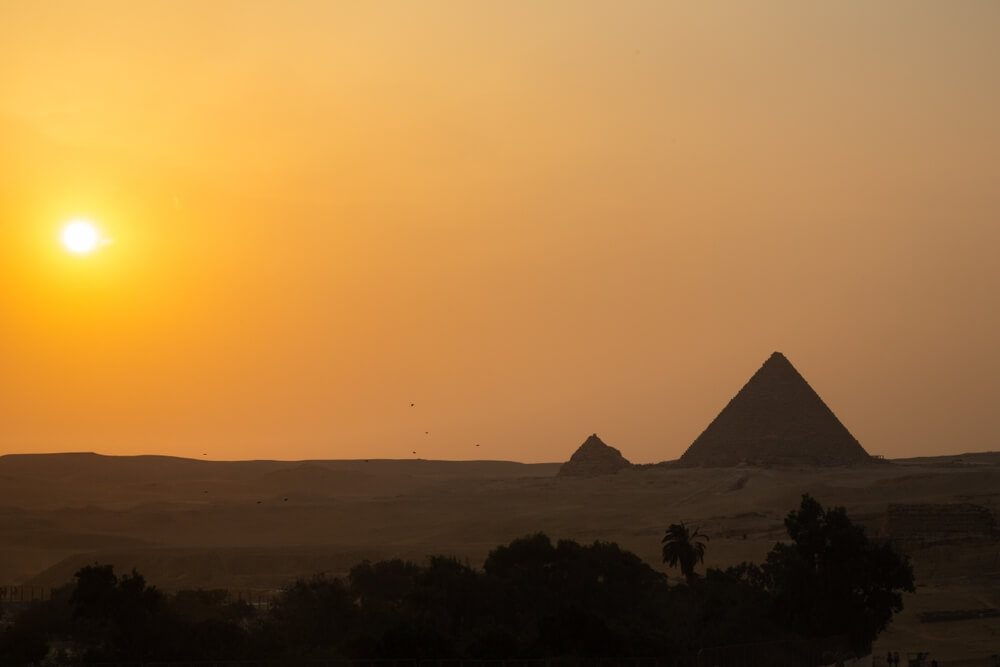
[530, 599]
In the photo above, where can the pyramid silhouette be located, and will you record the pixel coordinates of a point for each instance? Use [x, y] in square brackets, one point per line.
[775, 418]
[594, 457]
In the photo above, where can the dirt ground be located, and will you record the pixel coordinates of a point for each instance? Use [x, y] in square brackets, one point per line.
[253, 526]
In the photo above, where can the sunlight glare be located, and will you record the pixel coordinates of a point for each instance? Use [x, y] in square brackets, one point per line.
[81, 237]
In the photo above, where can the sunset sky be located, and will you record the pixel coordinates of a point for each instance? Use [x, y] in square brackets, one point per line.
[534, 220]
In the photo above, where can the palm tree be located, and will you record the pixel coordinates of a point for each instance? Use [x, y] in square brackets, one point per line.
[685, 547]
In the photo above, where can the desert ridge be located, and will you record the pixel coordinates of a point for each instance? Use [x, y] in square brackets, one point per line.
[255, 526]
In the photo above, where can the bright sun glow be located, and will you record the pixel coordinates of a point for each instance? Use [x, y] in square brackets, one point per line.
[81, 237]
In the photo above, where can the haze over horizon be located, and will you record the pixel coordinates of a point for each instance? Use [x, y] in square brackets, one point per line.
[531, 220]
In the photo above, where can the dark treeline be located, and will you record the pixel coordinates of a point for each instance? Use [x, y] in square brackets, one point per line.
[530, 599]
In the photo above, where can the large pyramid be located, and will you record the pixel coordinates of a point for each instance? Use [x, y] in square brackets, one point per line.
[592, 458]
[775, 418]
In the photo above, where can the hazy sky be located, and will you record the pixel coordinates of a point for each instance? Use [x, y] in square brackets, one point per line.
[533, 220]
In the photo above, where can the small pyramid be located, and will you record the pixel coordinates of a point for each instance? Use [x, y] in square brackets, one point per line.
[593, 458]
[775, 418]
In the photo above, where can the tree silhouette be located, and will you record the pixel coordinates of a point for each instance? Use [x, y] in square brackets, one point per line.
[119, 618]
[684, 547]
[832, 580]
[532, 599]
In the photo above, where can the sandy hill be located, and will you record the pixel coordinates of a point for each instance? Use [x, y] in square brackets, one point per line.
[120, 482]
[775, 418]
[316, 478]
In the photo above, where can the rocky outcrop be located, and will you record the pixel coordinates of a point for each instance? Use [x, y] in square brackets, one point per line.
[594, 458]
[776, 418]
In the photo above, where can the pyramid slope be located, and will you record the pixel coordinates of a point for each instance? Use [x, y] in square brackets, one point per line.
[594, 457]
[776, 418]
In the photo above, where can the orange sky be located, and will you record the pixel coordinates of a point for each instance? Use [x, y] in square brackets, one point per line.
[534, 220]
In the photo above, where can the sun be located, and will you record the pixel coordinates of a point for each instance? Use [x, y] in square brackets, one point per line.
[81, 237]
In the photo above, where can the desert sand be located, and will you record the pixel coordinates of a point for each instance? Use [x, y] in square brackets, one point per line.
[253, 526]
